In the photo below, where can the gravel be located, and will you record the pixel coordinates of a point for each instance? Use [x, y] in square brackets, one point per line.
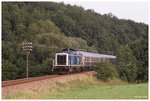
[40, 84]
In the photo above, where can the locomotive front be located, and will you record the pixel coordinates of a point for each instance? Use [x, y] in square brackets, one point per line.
[61, 63]
[67, 61]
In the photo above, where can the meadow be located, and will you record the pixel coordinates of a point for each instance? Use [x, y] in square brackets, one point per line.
[87, 88]
[134, 91]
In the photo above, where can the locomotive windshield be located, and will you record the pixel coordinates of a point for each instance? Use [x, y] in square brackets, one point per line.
[61, 59]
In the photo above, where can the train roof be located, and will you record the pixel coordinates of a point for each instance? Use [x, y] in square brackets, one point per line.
[96, 55]
[87, 54]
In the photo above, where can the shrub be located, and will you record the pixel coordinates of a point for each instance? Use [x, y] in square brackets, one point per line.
[105, 70]
[42, 69]
[9, 70]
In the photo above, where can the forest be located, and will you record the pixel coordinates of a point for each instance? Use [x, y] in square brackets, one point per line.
[52, 27]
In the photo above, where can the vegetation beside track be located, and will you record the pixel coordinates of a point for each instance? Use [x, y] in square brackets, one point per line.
[86, 88]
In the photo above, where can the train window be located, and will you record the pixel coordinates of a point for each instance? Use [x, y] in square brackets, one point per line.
[86, 58]
[61, 59]
[74, 60]
[78, 60]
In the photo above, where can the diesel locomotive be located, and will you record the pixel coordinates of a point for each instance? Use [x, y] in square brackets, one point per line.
[70, 60]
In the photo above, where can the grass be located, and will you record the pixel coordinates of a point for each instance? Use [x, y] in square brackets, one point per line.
[107, 92]
[86, 88]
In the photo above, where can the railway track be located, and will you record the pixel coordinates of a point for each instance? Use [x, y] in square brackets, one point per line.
[26, 80]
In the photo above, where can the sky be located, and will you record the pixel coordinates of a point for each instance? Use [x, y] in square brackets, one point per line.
[133, 10]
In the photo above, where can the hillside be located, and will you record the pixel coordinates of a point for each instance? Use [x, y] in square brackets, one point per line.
[55, 26]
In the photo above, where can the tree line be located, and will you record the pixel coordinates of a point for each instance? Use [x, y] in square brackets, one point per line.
[54, 26]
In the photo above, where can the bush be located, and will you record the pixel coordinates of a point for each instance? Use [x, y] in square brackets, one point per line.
[105, 70]
[9, 70]
[42, 69]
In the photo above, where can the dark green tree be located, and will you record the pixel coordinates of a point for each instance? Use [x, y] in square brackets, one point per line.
[126, 64]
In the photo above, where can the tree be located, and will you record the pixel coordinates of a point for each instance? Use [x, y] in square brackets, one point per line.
[126, 64]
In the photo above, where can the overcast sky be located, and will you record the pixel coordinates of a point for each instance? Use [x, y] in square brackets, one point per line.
[135, 10]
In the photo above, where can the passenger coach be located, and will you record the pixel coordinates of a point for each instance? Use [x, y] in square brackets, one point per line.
[69, 60]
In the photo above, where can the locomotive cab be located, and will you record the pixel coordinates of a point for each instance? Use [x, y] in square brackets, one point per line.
[68, 61]
[61, 59]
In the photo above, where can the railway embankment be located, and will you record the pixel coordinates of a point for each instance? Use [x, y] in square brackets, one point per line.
[38, 83]
[77, 86]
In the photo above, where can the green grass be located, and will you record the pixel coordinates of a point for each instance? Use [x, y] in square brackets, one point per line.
[86, 88]
[134, 91]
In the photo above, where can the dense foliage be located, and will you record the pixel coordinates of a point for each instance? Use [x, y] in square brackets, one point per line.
[55, 26]
[105, 70]
[126, 64]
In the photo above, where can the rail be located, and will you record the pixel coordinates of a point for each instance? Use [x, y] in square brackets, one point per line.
[32, 79]
[26, 80]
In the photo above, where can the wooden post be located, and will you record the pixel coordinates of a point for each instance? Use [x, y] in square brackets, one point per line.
[27, 64]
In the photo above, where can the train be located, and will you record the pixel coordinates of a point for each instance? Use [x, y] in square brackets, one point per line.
[70, 61]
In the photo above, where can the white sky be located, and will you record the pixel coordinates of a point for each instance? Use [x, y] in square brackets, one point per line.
[134, 10]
